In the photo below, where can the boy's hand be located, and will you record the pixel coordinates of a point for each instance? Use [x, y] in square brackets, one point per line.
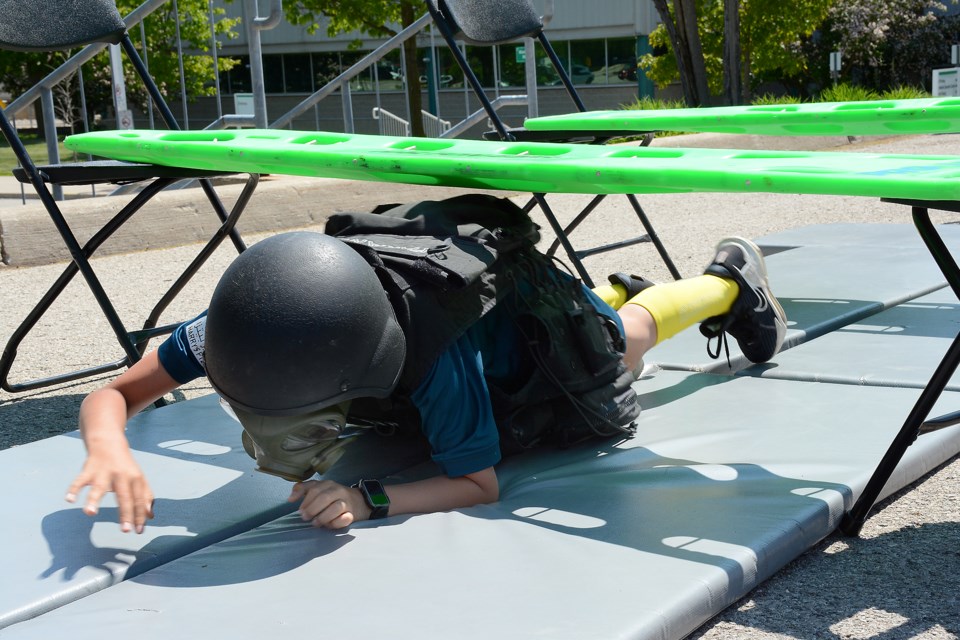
[115, 471]
[326, 503]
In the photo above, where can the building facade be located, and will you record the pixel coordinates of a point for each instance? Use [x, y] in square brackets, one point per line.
[597, 42]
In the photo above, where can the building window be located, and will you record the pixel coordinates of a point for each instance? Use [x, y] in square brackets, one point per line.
[297, 77]
[273, 73]
[622, 60]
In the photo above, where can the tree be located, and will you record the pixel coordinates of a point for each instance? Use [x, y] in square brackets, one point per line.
[887, 43]
[683, 36]
[770, 42]
[21, 71]
[732, 85]
[375, 18]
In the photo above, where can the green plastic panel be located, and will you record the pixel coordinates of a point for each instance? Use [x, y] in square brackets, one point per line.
[536, 167]
[878, 117]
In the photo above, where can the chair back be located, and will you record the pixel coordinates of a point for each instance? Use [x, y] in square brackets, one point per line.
[54, 25]
[482, 22]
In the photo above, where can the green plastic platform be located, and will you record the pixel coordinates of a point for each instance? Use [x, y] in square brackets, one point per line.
[535, 167]
[877, 117]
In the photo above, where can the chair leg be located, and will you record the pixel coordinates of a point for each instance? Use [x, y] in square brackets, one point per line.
[558, 231]
[80, 263]
[654, 238]
[227, 228]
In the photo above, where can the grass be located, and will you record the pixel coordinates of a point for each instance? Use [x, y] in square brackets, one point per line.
[36, 147]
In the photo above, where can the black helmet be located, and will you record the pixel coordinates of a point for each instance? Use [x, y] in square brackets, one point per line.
[298, 322]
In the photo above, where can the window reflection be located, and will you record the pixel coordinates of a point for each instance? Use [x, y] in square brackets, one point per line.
[587, 62]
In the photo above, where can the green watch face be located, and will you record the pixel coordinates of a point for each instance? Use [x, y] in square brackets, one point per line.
[379, 499]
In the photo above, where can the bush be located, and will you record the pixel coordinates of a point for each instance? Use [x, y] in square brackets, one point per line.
[647, 103]
[904, 93]
[847, 93]
[769, 98]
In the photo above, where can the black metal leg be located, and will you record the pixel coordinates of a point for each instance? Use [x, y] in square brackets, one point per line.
[558, 230]
[853, 520]
[654, 238]
[227, 228]
[587, 210]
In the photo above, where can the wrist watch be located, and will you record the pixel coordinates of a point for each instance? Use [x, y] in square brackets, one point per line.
[375, 497]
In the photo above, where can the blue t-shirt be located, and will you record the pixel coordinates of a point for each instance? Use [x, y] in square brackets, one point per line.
[453, 399]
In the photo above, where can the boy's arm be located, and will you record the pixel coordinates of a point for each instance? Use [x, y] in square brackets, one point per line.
[110, 465]
[328, 504]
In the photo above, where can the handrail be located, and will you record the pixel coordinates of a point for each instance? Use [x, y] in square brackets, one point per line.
[356, 69]
[480, 114]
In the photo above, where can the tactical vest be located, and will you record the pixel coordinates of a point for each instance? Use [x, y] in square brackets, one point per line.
[444, 265]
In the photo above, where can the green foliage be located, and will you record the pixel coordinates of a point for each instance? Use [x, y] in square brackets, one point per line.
[847, 93]
[373, 17]
[904, 93]
[648, 103]
[886, 43]
[771, 41]
[770, 98]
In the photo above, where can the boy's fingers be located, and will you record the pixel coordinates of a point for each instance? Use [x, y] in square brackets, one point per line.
[78, 484]
[297, 492]
[142, 506]
[125, 505]
[93, 500]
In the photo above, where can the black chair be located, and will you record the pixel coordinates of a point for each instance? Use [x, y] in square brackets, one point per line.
[61, 25]
[494, 22]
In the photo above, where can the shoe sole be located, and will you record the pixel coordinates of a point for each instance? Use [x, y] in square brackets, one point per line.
[755, 257]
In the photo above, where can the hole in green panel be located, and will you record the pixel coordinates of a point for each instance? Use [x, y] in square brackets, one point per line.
[767, 155]
[419, 144]
[775, 108]
[128, 135]
[197, 136]
[320, 138]
[862, 106]
[646, 152]
[819, 128]
[530, 150]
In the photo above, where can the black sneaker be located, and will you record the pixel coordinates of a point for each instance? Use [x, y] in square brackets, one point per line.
[756, 318]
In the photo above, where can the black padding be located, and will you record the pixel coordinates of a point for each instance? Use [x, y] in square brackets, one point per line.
[489, 21]
[111, 172]
[58, 24]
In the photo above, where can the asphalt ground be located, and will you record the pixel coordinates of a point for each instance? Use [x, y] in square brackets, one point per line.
[899, 579]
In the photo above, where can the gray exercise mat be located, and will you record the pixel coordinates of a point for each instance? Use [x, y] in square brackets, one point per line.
[205, 486]
[727, 480]
[898, 347]
[824, 286]
[847, 233]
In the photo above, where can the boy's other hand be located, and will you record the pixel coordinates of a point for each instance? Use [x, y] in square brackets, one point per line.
[326, 503]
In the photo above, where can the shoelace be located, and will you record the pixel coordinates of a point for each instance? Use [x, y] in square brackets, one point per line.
[722, 343]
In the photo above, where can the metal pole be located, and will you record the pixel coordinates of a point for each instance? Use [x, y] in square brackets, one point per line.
[183, 76]
[216, 64]
[50, 129]
[530, 67]
[146, 65]
[254, 25]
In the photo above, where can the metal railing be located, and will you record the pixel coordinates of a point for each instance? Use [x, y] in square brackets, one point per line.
[390, 124]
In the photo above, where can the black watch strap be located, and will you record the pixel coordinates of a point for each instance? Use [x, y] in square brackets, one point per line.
[375, 497]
